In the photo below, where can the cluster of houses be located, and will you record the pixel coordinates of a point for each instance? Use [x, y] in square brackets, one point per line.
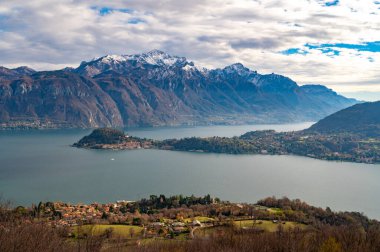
[59, 214]
[64, 214]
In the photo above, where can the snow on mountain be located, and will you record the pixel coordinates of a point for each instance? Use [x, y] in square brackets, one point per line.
[237, 68]
[126, 63]
[158, 58]
[155, 89]
[112, 58]
[154, 57]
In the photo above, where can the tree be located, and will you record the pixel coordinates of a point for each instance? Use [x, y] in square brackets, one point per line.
[104, 216]
[331, 245]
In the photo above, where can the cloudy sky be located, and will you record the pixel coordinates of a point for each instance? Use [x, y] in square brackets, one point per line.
[335, 43]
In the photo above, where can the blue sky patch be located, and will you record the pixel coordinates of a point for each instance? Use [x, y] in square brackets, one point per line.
[291, 51]
[363, 47]
[324, 48]
[332, 3]
[332, 50]
[136, 21]
[108, 10]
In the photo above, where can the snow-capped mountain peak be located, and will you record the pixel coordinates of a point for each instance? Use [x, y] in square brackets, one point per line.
[126, 63]
[158, 58]
[238, 68]
[154, 57]
[112, 58]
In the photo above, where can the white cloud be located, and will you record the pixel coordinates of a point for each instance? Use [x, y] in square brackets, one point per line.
[49, 34]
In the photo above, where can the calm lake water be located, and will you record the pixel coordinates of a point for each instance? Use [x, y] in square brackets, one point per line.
[40, 166]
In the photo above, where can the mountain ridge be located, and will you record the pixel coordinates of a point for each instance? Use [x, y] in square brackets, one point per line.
[157, 89]
[363, 118]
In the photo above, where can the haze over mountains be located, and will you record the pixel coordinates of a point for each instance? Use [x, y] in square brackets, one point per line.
[154, 89]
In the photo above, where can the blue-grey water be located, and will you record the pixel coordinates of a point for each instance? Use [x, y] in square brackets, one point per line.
[40, 166]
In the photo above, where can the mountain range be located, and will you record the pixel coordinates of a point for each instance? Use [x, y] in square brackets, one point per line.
[156, 89]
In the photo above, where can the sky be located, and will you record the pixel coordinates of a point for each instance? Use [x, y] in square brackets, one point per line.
[331, 42]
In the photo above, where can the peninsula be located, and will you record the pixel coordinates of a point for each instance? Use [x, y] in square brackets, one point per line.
[356, 140]
[114, 139]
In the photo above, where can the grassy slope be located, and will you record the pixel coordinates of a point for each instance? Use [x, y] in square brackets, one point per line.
[118, 230]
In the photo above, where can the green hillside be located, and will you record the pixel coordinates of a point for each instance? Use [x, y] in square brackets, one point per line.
[361, 119]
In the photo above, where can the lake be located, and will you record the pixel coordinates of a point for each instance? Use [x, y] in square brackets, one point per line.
[41, 166]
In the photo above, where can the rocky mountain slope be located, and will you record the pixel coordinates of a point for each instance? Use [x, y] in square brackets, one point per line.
[10, 74]
[154, 89]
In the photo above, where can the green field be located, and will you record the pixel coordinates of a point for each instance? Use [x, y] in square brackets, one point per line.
[275, 210]
[117, 230]
[199, 218]
[268, 225]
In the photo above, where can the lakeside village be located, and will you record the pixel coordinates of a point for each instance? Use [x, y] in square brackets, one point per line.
[147, 219]
[184, 216]
[174, 223]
